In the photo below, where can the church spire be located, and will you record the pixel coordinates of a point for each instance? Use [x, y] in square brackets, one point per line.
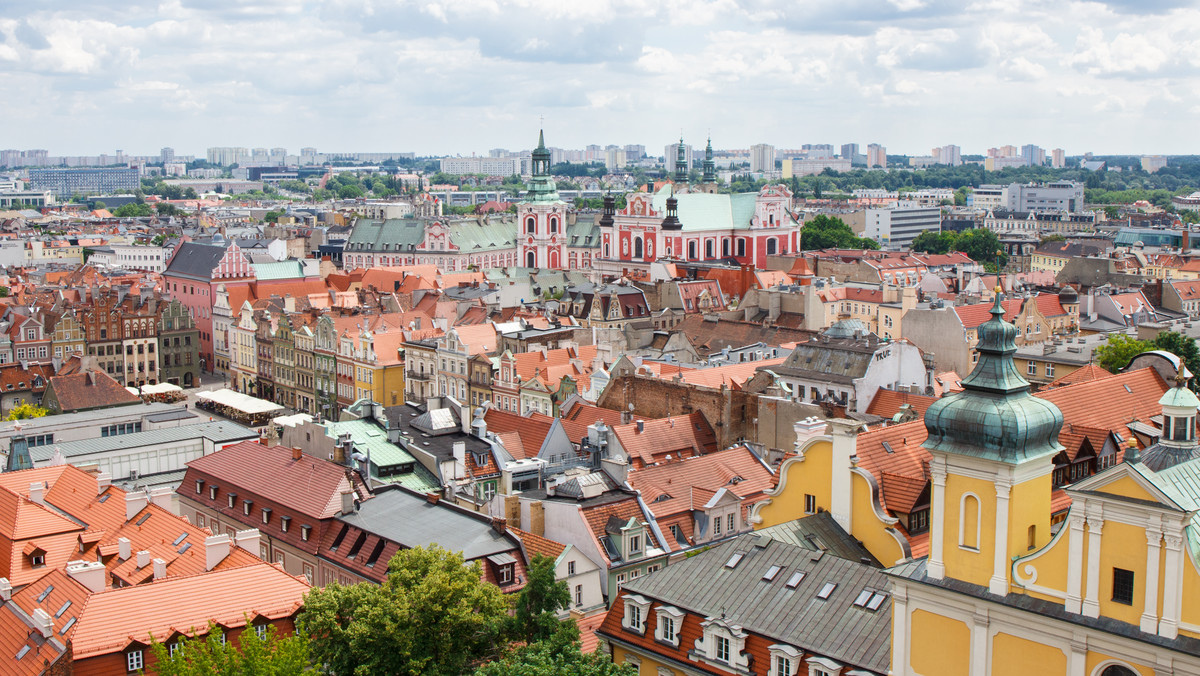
[710, 167]
[681, 162]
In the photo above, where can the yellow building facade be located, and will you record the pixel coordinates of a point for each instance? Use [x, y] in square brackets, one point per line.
[1106, 594]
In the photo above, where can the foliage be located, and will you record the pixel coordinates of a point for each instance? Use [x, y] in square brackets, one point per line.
[1182, 347]
[3, 292]
[98, 205]
[538, 601]
[979, 244]
[208, 656]
[1053, 237]
[295, 186]
[26, 411]
[595, 169]
[133, 210]
[553, 658]
[1118, 350]
[272, 216]
[824, 232]
[1190, 216]
[433, 615]
[167, 209]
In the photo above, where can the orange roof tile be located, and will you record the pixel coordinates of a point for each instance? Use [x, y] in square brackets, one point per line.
[680, 437]
[732, 376]
[58, 594]
[887, 403]
[1086, 373]
[114, 618]
[538, 545]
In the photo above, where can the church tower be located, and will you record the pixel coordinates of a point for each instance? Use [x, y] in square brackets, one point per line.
[541, 216]
[681, 172]
[993, 446]
[709, 182]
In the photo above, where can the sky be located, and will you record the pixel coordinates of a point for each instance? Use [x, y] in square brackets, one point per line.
[463, 76]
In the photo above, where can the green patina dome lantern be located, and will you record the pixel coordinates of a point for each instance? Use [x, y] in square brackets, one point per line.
[995, 417]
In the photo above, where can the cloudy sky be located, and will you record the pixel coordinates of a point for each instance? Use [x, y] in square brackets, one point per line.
[463, 76]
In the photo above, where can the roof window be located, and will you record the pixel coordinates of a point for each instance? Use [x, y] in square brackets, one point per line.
[794, 580]
[772, 573]
[827, 590]
[734, 560]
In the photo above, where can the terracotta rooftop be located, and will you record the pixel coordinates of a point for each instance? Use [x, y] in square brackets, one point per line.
[271, 473]
[1084, 374]
[537, 545]
[887, 403]
[90, 389]
[679, 436]
[115, 618]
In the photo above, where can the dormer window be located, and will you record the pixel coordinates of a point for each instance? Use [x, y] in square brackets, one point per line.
[246, 504]
[199, 486]
[668, 623]
[232, 499]
[212, 492]
[723, 644]
[785, 660]
[636, 609]
[635, 544]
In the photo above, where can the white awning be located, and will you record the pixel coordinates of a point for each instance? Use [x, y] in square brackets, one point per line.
[237, 400]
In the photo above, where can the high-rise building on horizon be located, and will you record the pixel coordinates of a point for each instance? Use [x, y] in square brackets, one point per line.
[876, 156]
[949, 154]
[762, 157]
[849, 151]
[670, 153]
[1058, 158]
[1033, 155]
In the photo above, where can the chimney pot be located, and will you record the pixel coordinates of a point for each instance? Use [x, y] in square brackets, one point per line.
[296, 452]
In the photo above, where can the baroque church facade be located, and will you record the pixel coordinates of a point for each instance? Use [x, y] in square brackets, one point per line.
[545, 233]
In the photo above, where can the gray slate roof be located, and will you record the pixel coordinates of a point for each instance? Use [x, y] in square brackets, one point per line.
[409, 519]
[195, 261]
[832, 628]
[821, 532]
[841, 360]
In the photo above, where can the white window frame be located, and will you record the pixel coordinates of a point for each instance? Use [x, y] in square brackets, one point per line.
[631, 621]
[665, 615]
[706, 647]
[260, 630]
[134, 661]
[823, 666]
[785, 655]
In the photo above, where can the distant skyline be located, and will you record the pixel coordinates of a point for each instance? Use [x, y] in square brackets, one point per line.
[464, 76]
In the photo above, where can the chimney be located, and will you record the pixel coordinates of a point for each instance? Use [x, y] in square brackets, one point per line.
[460, 460]
[88, 573]
[143, 558]
[499, 524]
[247, 540]
[103, 481]
[5, 589]
[296, 452]
[264, 441]
[43, 623]
[160, 569]
[641, 426]
[347, 501]
[134, 503]
[216, 548]
[164, 497]
[806, 429]
[124, 549]
[433, 498]
[37, 492]
[537, 518]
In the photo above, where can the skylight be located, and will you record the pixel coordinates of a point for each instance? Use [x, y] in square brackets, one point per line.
[863, 597]
[734, 560]
[179, 539]
[876, 601]
[771, 573]
[143, 519]
[63, 609]
[827, 590]
[795, 579]
[42, 597]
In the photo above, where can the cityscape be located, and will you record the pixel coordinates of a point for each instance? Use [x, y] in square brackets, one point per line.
[600, 339]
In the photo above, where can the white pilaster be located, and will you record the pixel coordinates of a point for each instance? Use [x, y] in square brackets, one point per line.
[979, 644]
[1168, 626]
[845, 439]
[899, 632]
[1091, 600]
[999, 583]
[1077, 657]
[1149, 621]
[1074, 562]
[936, 567]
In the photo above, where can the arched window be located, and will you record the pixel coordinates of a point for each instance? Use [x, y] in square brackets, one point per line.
[771, 246]
[1117, 670]
[530, 225]
[606, 249]
[530, 260]
[637, 247]
[691, 251]
[969, 523]
[708, 248]
[725, 247]
[553, 224]
[741, 247]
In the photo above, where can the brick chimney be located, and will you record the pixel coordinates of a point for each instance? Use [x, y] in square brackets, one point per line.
[500, 524]
[296, 453]
[432, 498]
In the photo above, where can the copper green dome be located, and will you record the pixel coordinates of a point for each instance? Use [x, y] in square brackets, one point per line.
[995, 416]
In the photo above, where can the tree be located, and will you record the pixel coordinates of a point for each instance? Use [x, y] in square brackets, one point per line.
[934, 241]
[981, 245]
[208, 655]
[1118, 350]
[25, 412]
[133, 210]
[538, 601]
[547, 658]
[824, 232]
[1112, 212]
[272, 216]
[1182, 347]
[98, 205]
[433, 615]
[1053, 237]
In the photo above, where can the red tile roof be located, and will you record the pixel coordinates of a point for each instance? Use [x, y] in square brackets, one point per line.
[1083, 374]
[87, 390]
[887, 403]
[270, 472]
[114, 618]
[531, 430]
[537, 545]
[597, 517]
[679, 437]
[972, 316]
[1187, 290]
